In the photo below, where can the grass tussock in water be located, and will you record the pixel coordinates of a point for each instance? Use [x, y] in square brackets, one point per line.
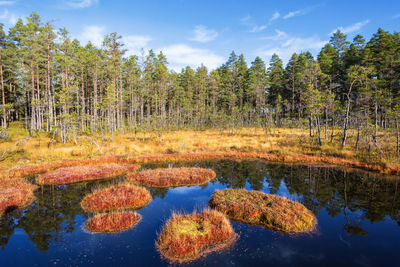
[112, 222]
[15, 193]
[117, 197]
[187, 237]
[75, 174]
[172, 177]
[256, 207]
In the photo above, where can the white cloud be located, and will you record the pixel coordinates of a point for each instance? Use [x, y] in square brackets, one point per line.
[291, 14]
[9, 18]
[80, 3]
[92, 33]
[352, 28]
[301, 12]
[253, 26]
[182, 55]
[396, 16]
[135, 43]
[7, 3]
[203, 35]
[285, 45]
[278, 36]
[275, 16]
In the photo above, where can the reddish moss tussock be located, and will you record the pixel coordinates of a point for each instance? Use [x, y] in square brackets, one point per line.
[37, 169]
[256, 207]
[172, 177]
[77, 174]
[118, 197]
[15, 193]
[187, 237]
[112, 222]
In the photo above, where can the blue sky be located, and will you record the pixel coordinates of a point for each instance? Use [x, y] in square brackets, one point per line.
[192, 32]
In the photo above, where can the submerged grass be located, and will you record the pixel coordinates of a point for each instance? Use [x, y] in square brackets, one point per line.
[112, 222]
[15, 193]
[172, 177]
[117, 197]
[256, 207]
[78, 174]
[187, 237]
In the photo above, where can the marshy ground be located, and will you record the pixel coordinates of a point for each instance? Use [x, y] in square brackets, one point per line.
[172, 177]
[116, 197]
[187, 237]
[255, 207]
[112, 222]
[76, 174]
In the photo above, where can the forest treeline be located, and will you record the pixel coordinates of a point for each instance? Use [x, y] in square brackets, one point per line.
[52, 83]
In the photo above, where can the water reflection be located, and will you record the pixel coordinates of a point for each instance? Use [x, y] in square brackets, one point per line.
[356, 195]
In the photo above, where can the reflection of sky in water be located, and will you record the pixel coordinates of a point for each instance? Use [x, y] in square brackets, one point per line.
[371, 206]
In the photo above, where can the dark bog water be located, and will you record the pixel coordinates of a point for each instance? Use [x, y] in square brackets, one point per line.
[358, 221]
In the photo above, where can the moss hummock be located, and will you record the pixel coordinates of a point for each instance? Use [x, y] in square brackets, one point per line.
[112, 222]
[256, 207]
[15, 193]
[116, 197]
[76, 174]
[172, 177]
[187, 237]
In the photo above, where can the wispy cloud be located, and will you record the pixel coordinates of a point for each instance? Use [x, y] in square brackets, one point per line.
[135, 43]
[203, 35]
[80, 3]
[285, 45]
[181, 55]
[352, 28]
[253, 26]
[278, 36]
[291, 14]
[300, 12]
[8, 17]
[7, 3]
[396, 16]
[92, 33]
[275, 16]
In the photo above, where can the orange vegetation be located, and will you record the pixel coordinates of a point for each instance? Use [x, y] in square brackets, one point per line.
[15, 193]
[172, 177]
[117, 197]
[187, 237]
[257, 207]
[374, 167]
[112, 222]
[42, 168]
[76, 174]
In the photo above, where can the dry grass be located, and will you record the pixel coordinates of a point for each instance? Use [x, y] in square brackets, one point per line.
[187, 237]
[172, 177]
[112, 222]
[117, 197]
[15, 193]
[256, 207]
[77, 174]
[282, 145]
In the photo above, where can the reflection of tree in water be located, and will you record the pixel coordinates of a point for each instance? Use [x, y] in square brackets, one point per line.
[51, 215]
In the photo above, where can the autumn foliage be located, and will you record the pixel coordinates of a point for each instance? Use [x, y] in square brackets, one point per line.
[172, 177]
[117, 197]
[187, 237]
[76, 174]
[112, 222]
[15, 193]
[256, 207]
